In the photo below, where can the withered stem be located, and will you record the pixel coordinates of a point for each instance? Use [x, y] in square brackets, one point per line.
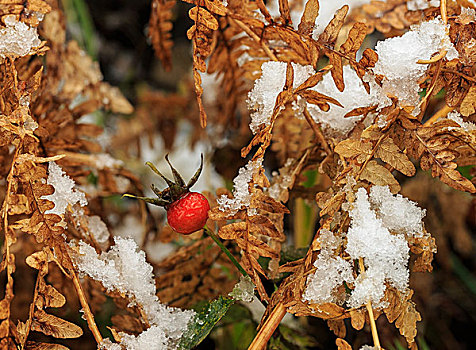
[269, 326]
[443, 112]
[317, 131]
[373, 326]
[87, 311]
[256, 38]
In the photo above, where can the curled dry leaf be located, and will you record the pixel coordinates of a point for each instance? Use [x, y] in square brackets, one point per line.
[380, 176]
[389, 152]
[54, 326]
[308, 18]
[342, 344]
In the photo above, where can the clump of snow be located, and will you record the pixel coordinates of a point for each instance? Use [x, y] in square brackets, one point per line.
[17, 39]
[148, 339]
[262, 97]
[414, 5]
[243, 290]
[456, 117]
[211, 87]
[125, 269]
[107, 344]
[398, 57]
[64, 194]
[241, 192]
[331, 271]
[385, 253]
[380, 224]
[398, 214]
[281, 181]
[353, 96]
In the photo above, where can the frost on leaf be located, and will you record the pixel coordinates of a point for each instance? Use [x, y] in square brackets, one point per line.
[64, 194]
[398, 57]
[241, 193]
[17, 39]
[125, 269]
[456, 117]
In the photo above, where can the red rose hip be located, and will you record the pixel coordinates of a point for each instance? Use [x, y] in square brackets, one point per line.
[189, 213]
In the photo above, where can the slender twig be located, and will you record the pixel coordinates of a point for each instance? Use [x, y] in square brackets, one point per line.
[87, 311]
[371, 155]
[226, 251]
[317, 131]
[373, 326]
[444, 13]
[31, 312]
[443, 112]
[270, 325]
[256, 38]
[10, 263]
[435, 58]
[465, 76]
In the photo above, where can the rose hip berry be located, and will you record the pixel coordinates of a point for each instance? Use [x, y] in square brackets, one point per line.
[187, 211]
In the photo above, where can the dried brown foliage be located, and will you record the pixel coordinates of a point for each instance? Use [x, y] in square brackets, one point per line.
[47, 94]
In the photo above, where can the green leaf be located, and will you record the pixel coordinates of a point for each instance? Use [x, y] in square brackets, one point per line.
[204, 321]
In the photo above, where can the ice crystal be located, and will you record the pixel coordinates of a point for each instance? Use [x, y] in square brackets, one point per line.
[456, 117]
[331, 271]
[17, 39]
[243, 290]
[353, 96]
[241, 193]
[64, 194]
[262, 97]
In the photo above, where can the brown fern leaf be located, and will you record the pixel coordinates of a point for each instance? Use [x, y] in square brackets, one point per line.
[202, 34]
[195, 273]
[160, 26]
[441, 151]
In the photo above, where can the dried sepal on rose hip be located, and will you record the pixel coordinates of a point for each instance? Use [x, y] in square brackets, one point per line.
[187, 211]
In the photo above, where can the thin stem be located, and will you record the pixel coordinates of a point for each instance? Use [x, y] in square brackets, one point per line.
[270, 325]
[87, 311]
[256, 38]
[226, 251]
[317, 131]
[443, 112]
[373, 326]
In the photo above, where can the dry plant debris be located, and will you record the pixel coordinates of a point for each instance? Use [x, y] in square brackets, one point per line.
[295, 81]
